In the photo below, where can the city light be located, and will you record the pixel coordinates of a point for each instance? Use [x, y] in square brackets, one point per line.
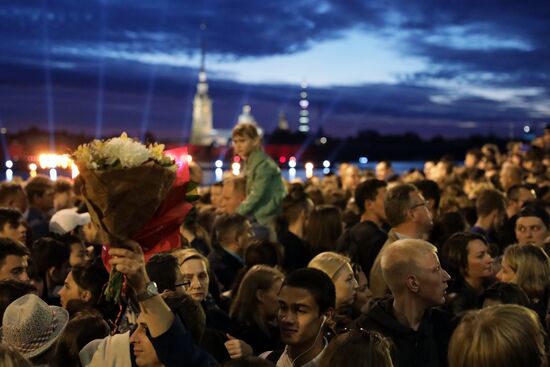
[309, 169]
[189, 158]
[282, 159]
[50, 160]
[9, 175]
[53, 174]
[292, 162]
[236, 168]
[74, 171]
[219, 163]
[363, 160]
[323, 140]
[326, 171]
[326, 164]
[292, 173]
[9, 164]
[219, 174]
[527, 129]
[33, 167]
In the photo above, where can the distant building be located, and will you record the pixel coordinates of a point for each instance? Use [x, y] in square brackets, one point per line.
[283, 122]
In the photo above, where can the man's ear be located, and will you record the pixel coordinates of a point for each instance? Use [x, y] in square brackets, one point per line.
[412, 284]
[329, 314]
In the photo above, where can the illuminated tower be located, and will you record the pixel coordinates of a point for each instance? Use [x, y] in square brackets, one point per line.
[283, 123]
[201, 130]
[303, 127]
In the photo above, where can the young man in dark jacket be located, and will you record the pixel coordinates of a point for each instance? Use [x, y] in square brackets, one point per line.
[417, 282]
[364, 240]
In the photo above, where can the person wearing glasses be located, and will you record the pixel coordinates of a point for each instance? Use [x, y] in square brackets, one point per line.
[408, 214]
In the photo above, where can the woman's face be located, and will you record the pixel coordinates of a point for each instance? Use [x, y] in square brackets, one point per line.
[270, 300]
[506, 274]
[346, 286]
[480, 262]
[194, 272]
[363, 291]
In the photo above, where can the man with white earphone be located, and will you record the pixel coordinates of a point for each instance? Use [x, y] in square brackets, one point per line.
[306, 303]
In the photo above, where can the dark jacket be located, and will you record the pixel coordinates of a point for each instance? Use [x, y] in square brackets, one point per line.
[254, 336]
[426, 347]
[225, 266]
[297, 253]
[461, 297]
[362, 243]
[178, 338]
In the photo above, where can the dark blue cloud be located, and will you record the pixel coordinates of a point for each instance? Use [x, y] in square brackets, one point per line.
[491, 44]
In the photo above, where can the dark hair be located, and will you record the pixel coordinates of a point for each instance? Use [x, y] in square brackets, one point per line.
[317, 283]
[454, 254]
[367, 191]
[475, 152]
[63, 185]
[358, 348]
[37, 186]
[295, 202]
[263, 252]
[8, 190]
[397, 202]
[445, 226]
[323, 229]
[82, 329]
[532, 210]
[488, 201]
[11, 216]
[11, 247]
[47, 253]
[513, 192]
[430, 190]
[10, 290]
[68, 239]
[162, 268]
[505, 293]
[91, 277]
[228, 227]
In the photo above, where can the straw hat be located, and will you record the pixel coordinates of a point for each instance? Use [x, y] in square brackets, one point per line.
[31, 326]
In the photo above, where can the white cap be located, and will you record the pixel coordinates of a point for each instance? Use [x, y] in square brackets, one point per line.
[66, 220]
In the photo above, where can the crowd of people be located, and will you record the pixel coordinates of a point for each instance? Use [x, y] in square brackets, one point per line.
[448, 266]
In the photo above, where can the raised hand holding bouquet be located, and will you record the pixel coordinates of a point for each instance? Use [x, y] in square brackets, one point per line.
[132, 191]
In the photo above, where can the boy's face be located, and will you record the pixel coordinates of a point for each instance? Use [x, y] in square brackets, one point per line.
[17, 233]
[144, 352]
[299, 318]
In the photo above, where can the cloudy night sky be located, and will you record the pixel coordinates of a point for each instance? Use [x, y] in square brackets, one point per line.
[433, 67]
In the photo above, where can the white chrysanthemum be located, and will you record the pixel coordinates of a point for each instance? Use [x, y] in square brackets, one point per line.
[128, 152]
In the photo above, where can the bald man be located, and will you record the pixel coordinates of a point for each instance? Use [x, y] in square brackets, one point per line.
[417, 283]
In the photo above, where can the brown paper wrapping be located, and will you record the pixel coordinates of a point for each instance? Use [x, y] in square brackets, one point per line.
[121, 201]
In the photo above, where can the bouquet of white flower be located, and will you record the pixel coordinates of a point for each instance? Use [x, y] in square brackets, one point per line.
[123, 183]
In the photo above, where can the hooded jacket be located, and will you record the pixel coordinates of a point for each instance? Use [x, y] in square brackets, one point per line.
[426, 347]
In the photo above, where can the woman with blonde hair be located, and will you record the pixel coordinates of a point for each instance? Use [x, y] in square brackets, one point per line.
[528, 266]
[338, 268]
[10, 357]
[498, 336]
[255, 306]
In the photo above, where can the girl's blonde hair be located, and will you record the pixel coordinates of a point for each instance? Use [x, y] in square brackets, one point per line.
[184, 254]
[10, 357]
[329, 262]
[498, 336]
[532, 267]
